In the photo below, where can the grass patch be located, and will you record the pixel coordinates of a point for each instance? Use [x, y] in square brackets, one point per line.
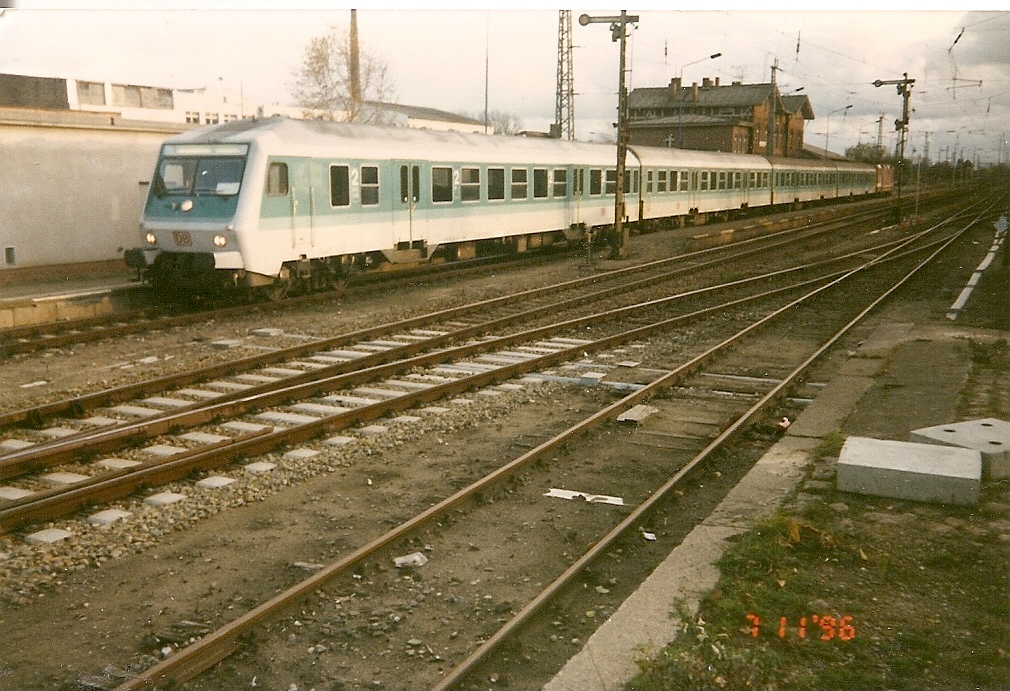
[926, 589]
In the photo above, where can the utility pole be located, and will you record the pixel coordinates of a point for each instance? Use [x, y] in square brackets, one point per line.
[904, 87]
[618, 31]
[770, 149]
[355, 69]
[564, 112]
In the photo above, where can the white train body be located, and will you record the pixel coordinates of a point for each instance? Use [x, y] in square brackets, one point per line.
[281, 202]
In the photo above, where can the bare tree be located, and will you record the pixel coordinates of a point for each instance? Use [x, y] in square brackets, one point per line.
[504, 123]
[323, 84]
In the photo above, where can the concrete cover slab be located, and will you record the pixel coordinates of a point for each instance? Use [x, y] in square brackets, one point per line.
[300, 454]
[906, 470]
[244, 427]
[15, 444]
[203, 437]
[990, 437]
[11, 493]
[260, 467]
[116, 463]
[164, 450]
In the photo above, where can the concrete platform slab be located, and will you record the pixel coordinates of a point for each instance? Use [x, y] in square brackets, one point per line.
[990, 437]
[906, 470]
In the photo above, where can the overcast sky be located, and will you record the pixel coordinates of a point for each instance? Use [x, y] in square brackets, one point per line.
[443, 56]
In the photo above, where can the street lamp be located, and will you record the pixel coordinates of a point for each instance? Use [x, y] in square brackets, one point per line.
[827, 125]
[680, 101]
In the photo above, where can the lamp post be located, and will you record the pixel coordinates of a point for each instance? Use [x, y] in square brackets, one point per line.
[827, 125]
[618, 30]
[680, 101]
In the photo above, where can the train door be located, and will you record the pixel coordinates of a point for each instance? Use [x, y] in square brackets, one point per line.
[302, 205]
[408, 219]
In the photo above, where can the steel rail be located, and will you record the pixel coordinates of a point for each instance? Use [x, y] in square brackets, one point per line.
[200, 655]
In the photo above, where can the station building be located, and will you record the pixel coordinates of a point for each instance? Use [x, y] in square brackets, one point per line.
[711, 116]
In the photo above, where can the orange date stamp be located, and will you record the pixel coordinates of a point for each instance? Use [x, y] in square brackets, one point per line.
[829, 627]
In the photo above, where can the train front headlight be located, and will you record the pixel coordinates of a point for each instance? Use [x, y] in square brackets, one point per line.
[220, 241]
[151, 239]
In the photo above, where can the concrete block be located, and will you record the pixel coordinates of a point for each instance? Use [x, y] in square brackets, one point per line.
[374, 429]
[259, 467]
[116, 463]
[135, 411]
[12, 493]
[62, 478]
[48, 536]
[300, 454]
[906, 470]
[204, 437]
[164, 450]
[164, 498]
[107, 517]
[215, 482]
[990, 437]
[339, 440]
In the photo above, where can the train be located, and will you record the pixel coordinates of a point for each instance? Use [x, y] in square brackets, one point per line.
[281, 206]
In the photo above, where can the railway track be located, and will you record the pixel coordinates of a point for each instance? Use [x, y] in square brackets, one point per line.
[819, 318]
[69, 332]
[302, 373]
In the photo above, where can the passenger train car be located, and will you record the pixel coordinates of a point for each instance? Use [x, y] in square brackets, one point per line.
[283, 204]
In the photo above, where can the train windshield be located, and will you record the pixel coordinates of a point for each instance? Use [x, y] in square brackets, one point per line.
[200, 170]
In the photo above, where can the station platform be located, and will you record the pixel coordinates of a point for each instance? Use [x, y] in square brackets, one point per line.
[40, 300]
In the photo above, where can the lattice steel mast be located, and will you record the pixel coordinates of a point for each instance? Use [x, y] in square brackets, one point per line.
[564, 112]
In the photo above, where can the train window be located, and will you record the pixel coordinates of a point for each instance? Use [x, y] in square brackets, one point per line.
[520, 183]
[722, 179]
[661, 181]
[703, 185]
[441, 184]
[470, 184]
[540, 183]
[684, 181]
[340, 187]
[648, 182]
[369, 185]
[408, 190]
[737, 180]
[560, 182]
[595, 182]
[611, 184]
[495, 183]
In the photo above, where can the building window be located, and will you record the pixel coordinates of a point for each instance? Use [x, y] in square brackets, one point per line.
[130, 96]
[441, 184]
[211, 118]
[369, 185]
[495, 183]
[340, 186]
[470, 184]
[91, 93]
[193, 117]
[520, 183]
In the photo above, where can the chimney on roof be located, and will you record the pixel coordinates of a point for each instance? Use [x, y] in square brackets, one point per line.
[706, 82]
[717, 81]
[694, 92]
[674, 89]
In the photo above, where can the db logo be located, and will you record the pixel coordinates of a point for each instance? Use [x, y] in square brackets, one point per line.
[182, 238]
